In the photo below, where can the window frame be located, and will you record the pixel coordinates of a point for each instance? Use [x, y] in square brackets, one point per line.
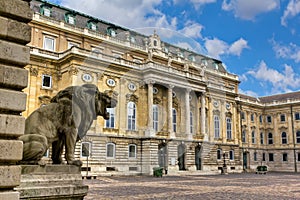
[131, 119]
[270, 138]
[297, 116]
[219, 154]
[191, 122]
[244, 135]
[262, 138]
[298, 137]
[284, 138]
[155, 117]
[271, 157]
[285, 157]
[216, 126]
[269, 119]
[229, 128]
[282, 118]
[89, 149]
[231, 155]
[253, 137]
[50, 82]
[53, 45]
[174, 120]
[113, 150]
[129, 152]
[110, 123]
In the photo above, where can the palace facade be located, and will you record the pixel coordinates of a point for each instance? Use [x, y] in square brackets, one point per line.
[176, 109]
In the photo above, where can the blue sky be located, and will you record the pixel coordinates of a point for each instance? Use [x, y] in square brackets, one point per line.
[259, 40]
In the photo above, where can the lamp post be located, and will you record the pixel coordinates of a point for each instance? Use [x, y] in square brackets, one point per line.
[224, 168]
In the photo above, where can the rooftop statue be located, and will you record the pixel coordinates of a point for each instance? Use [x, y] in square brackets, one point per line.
[63, 122]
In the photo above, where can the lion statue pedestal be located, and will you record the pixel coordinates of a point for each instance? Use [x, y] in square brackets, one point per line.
[60, 125]
[51, 182]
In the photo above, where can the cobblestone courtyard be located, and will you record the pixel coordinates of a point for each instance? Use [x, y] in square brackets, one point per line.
[233, 186]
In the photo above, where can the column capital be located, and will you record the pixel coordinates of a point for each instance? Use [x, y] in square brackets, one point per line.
[150, 81]
[170, 86]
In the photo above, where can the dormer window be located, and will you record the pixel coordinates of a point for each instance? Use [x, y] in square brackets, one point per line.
[180, 54]
[111, 32]
[70, 18]
[46, 10]
[192, 58]
[216, 66]
[132, 39]
[155, 43]
[92, 25]
[166, 50]
[204, 62]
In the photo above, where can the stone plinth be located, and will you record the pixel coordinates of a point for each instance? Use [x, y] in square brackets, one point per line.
[51, 182]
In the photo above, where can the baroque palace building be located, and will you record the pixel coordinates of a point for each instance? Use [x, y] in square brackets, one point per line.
[176, 109]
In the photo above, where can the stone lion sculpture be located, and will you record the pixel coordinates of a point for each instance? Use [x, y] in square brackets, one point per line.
[63, 122]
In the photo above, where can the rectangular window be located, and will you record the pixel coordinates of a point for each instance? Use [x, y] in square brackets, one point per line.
[174, 119]
[110, 123]
[85, 149]
[261, 138]
[284, 157]
[263, 157]
[255, 156]
[191, 123]
[298, 156]
[271, 157]
[252, 117]
[269, 119]
[228, 128]
[282, 117]
[244, 136]
[47, 12]
[260, 119]
[73, 44]
[243, 115]
[231, 155]
[49, 43]
[155, 117]
[253, 137]
[132, 151]
[110, 150]
[297, 116]
[71, 19]
[46, 81]
[217, 126]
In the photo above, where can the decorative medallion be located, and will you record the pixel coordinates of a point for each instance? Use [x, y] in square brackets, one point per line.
[228, 106]
[155, 90]
[87, 77]
[174, 94]
[132, 86]
[111, 82]
[216, 103]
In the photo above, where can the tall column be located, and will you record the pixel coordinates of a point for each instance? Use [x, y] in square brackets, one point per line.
[197, 125]
[187, 114]
[150, 131]
[170, 106]
[203, 117]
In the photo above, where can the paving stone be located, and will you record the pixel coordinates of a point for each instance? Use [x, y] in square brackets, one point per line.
[5, 195]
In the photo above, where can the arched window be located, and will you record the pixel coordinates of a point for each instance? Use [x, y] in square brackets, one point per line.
[110, 123]
[261, 138]
[298, 137]
[219, 154]
[228, 128]
[191, 123]
[253, 138]
[270, 138]
[174, 119]
[283, 138]
[110, 150]
[155, 117]
[132, 151]
[85, 149]
[217, 126]
[131, 116]
[244, 136]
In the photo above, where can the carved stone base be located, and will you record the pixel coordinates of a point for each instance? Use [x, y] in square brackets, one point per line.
[51, 182]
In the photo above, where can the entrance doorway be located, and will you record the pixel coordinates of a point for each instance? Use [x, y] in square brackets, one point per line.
[181, 156]
[163, 156]
[198, 160]
[246, 160]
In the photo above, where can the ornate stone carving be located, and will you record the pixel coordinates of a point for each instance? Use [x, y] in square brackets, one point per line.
[34, 71]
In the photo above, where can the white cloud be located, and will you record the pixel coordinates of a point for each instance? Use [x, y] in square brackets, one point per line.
[249, 9]
[192, 29]
[290, 51]
[199, 3]
[237, 47]
[216, 47]
[292, 9]
[129, 13]
[281, 81]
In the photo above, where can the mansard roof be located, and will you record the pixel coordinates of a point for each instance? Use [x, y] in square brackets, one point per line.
[280, 97]
[58, 13]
